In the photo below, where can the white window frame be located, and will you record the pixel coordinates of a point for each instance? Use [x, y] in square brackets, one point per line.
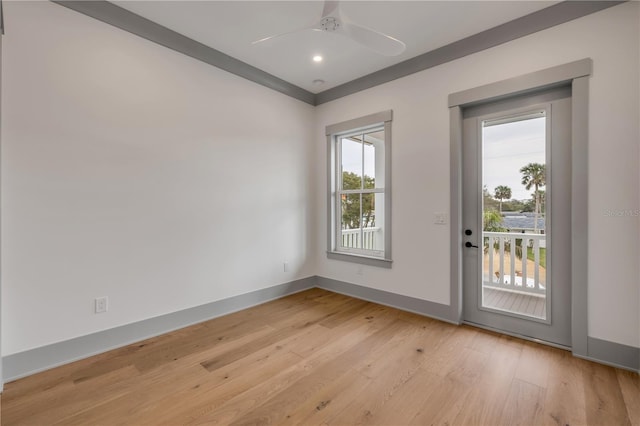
[381, 258]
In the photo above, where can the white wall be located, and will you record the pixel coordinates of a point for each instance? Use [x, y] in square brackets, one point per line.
[421, 163]
[134, 172]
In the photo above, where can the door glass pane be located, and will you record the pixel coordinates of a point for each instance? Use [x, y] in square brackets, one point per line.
[514, 271]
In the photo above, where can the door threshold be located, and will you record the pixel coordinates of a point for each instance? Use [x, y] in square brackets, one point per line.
[519, 336]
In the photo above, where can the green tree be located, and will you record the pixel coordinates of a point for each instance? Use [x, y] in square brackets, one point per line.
[534, 175]
[513, 206]
[542, 197]
[530, 205]
[492, 221]
[488, 201]
[502, 192]
[352, 214]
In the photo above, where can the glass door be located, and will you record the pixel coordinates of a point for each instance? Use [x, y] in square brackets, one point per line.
[516, 215]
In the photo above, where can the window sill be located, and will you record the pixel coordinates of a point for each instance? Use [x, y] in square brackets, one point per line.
[361, 259]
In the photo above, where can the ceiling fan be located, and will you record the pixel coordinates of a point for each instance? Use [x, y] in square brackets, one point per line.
[334, 21]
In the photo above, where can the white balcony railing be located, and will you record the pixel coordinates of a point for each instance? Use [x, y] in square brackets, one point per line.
[513, 270]
[352, 238]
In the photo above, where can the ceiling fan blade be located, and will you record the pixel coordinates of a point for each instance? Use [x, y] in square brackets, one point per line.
[374, 40]
[308, 27]
[329, 7]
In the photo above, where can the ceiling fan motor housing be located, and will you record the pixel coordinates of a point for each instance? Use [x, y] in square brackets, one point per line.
[329, 23]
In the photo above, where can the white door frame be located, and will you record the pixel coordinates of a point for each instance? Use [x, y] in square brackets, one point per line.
[577, 74]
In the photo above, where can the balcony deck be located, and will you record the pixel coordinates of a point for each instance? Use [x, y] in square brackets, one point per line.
[512, 281]
[518, 303]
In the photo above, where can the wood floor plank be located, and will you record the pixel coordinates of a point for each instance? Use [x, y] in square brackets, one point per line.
[604, 402]
[415, 343]
[318, 357]
[485, 400]
[467, 366]
[343, 315]
[630, 387]
[511, 341]
[370, 400]
[186, 343]
[247, 379]
[564, 403]
[524, 405]
[485, 341]
[325, 404]
[533, 366]
[61, 376]
[460, 379]
[232, 355]
[392, 368]
[213, 389]
[388, 368]
[402, 403]
[351, 334]
[443, 402]
[278, 407]
[162, 385]
[299, 321]
[444, 357]
[69, 400]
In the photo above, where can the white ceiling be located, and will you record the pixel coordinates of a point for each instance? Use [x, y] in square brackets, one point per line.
[231, 26]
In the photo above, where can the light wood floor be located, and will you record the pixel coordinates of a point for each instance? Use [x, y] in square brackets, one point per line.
[321, 358]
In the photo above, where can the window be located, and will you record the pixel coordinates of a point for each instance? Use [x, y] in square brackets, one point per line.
[359, 207]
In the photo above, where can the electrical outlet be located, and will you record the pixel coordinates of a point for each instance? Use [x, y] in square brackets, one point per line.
[285, 266]
[101, 304]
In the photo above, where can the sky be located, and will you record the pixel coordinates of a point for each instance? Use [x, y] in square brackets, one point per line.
[352, 158]
[508, 147]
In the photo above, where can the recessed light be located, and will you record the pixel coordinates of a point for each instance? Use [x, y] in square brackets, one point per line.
[318, 82]
[317, 58]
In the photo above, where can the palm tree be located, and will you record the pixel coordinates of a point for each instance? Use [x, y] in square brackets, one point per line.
[534, 175]
[502, 192]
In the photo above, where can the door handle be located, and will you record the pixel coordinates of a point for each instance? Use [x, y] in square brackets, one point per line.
[468, 244]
